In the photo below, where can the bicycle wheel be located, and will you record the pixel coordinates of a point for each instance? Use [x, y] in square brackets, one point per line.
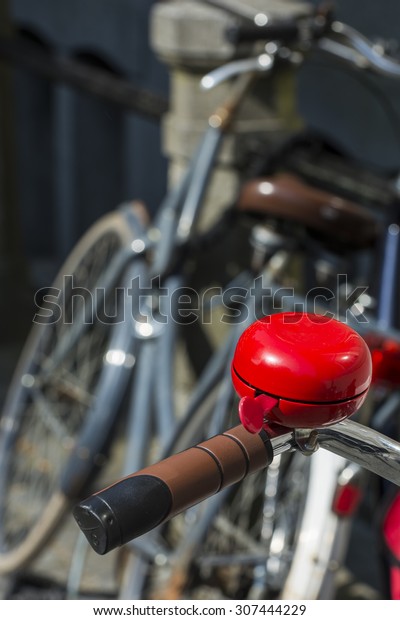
[253, 541]
[54, 388]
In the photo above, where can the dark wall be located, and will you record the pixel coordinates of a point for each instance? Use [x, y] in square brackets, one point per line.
[77, 155]
[359, 112]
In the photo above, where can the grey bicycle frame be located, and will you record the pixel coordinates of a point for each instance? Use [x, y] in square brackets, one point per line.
[151, 398]
[347, 439]
[176, 219]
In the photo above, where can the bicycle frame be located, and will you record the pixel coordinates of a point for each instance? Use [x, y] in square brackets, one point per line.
[177, 218]
[146, 345]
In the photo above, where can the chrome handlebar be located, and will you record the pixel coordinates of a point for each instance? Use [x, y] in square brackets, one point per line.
[363, 446]
[353, 441]
[341, 41]
[260, 64]
[350, 45]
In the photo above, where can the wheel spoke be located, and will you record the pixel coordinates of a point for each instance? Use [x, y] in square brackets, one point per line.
[51, 423]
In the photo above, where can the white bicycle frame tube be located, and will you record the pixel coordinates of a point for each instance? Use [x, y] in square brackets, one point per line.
[310, 576]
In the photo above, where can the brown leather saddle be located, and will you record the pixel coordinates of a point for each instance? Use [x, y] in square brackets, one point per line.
[287, 197]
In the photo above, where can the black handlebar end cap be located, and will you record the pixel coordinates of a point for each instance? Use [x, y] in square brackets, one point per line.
[122, 512]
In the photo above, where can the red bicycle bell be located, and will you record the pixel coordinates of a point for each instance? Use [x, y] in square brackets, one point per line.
[299, 370]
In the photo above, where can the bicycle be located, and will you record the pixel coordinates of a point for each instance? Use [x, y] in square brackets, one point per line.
[327, 386]
[84, 368]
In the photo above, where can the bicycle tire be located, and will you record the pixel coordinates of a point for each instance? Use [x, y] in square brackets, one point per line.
[45, 410]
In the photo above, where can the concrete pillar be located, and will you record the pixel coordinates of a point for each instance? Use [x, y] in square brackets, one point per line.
[190, 38]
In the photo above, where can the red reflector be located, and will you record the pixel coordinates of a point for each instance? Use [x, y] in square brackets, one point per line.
[394, 583]
[385, 355]
[347, 499]
[391, 535]
[391, 527]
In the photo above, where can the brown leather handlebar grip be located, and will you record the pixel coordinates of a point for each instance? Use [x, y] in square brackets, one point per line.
[137, 504]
